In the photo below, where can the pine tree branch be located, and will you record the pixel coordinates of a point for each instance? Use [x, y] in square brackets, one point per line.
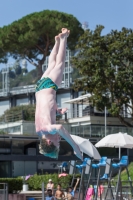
[123, 121]
[31, 62]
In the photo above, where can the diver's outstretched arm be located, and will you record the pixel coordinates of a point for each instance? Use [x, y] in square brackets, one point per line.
[58, 128]
[63, 133]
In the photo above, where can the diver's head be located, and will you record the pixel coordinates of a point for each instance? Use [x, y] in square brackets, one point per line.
[47, 148]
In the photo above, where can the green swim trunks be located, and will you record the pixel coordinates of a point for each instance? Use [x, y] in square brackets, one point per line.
[46, 83]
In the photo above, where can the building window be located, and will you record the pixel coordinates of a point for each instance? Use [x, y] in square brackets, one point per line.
[11, 130]
[5, 146]
[17, 147]
[24, 147]
[95, 131]
[5, 169]
[86, 131]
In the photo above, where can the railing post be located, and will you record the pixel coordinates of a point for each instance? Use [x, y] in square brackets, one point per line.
[6, 191]
[43, 191]
[65, 116]
[22, 114]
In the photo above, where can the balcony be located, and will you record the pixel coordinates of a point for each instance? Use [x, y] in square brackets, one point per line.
[20, 90]
[84, 112]
[23, 90]
[96, 132]
[68, 69]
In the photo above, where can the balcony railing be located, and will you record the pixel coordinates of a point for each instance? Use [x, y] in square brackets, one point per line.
[24, 90]
[20, 90]
[97, 132]
[68, 69]
[12, 117]
[75, 113]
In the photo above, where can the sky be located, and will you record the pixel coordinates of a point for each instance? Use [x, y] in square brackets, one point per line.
[112, 14]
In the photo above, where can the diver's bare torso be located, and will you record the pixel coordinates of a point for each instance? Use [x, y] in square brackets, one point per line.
[46, 114]
[46, 106]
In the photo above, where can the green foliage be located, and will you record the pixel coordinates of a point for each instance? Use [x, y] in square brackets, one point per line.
[124, 176]
[32, 36]
[105, 65]
[29, 112]
[25, 71]
[12, 74]
[17, 67]
[3, 55]
[14, 184]
[35, 182]
[17, 77]
[29, 79]
[75, 73]
[18, 70]
[2, 132]
[26, 112]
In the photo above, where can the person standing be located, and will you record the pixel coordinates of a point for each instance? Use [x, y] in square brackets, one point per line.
[50, 185]
[69, 195]
[49, 195]
[59, 194]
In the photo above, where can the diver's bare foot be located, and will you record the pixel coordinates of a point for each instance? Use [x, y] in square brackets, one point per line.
[64, 30]
[57, 39]
[65, 33]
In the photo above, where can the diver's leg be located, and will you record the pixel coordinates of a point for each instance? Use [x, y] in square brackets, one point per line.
[52, 57]
[57, 72]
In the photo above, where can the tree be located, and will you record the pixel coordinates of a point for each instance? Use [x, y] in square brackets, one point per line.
[17, 67]
[26, 112]
[3, 54]
[12, 74]
[18, 70]
[32, 37]
[105, 63]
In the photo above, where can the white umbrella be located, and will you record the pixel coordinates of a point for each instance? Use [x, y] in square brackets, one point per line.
[86, 147]
[118, 140]
[84, 99]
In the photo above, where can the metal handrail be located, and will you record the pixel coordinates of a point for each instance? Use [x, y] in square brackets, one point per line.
[23, 90]
[5, 190]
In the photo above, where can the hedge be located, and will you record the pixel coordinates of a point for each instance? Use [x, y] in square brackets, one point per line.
[25, 112]
[35, 182]
[124, 176]
[14, 184]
